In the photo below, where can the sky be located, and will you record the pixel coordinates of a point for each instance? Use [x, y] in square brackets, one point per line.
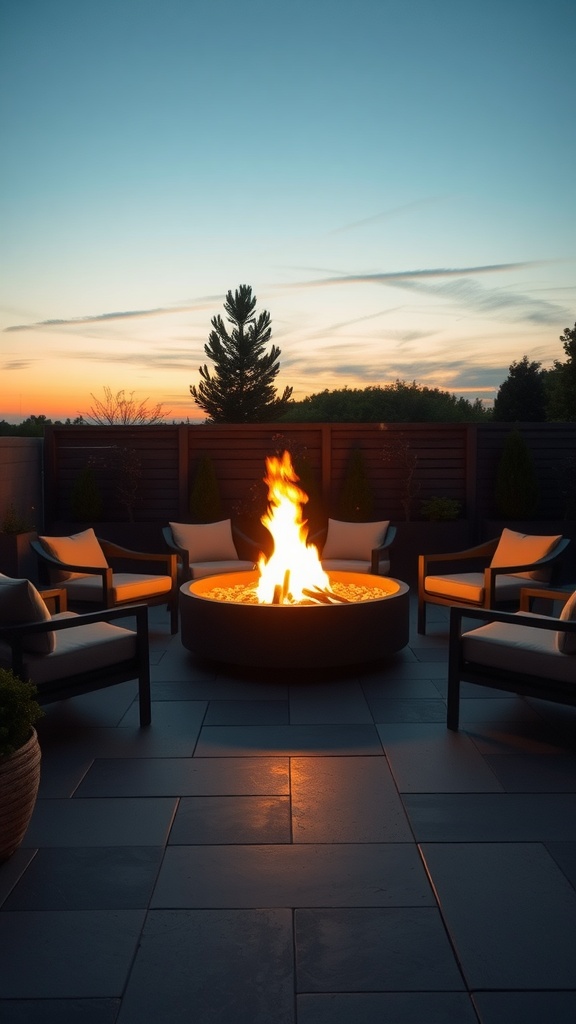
[395, 179]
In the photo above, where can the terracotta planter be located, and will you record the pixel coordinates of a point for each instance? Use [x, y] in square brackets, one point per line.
[19, 781]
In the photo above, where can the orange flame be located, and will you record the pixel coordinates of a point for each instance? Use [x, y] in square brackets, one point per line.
[294, 565]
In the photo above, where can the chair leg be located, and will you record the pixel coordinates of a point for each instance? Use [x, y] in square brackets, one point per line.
[453, 716]
[421, 627]
[174, 615]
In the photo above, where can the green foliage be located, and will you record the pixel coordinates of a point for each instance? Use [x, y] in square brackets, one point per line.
[517, 489]
[560, 382]
[85, 499]
[438, 510]
[521, 397]
[242, 387]
[19, 711]
[205, 506]
[14, 522]
[394, 403]
[356, 499]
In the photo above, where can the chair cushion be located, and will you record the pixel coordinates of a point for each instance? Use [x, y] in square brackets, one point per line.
[566, 642]
[469, 586]
[520, 649]
[20, 602]
[206, 542]
[99, 645]
[520, 548]
[78, 549]
[126, 586]
[201, 569]
[353, 565]
[353, 540]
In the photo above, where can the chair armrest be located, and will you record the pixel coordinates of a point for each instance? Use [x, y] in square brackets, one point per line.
[528, 593]
[116, 551]
[57, 596]
[382, 549]
[457, 613]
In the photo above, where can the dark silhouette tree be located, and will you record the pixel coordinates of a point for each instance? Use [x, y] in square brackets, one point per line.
[241, 389]
[517, 491]
[521, 397]
[560, 381]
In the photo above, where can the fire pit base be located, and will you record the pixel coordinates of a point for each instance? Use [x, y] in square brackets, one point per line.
[294, 636]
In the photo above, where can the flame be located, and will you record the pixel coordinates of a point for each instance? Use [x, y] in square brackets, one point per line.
[294, 565]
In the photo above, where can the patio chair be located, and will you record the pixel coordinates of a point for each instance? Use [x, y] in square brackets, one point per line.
[207, 549]
[509, 562]
[519, 652]
[67, 654]
[81, 564]
[356, 547]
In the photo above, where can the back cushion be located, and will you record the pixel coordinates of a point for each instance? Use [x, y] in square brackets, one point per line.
[206, 542]
[566, 642]
[20, 602]
[522, 548]
[353, 540]
[79, 549]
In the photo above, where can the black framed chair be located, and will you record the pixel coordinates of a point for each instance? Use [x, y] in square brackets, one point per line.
[533, 655]
[84, 565]
[356, 547]
[207, 549]
[66, 654]
[488, 575]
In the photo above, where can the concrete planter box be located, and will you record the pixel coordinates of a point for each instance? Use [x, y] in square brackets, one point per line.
[424, 538]
[16, 557]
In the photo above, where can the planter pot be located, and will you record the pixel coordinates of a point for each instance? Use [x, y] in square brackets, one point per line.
[19, 781]
[16, 558]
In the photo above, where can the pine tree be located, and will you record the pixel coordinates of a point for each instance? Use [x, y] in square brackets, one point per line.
[241, 389]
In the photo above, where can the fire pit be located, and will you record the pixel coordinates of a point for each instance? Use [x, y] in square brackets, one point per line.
[289, 613]
[297, 635]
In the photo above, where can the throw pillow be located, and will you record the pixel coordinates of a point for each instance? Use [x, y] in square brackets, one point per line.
[353, 540]
[520, 549]
[566, 642]
[20, 602]
[206, 542]
[79, 549]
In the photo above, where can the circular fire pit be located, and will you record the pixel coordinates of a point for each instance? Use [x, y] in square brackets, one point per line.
[298, 635]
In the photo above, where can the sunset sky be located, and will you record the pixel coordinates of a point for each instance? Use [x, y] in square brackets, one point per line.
[394, 178]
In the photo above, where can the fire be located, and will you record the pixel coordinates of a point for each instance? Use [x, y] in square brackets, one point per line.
[294, 568]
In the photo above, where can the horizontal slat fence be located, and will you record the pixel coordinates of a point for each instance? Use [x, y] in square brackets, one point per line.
[446, 460]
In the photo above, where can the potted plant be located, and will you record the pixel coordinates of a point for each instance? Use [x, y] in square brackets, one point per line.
[16, 531]
[19, 759]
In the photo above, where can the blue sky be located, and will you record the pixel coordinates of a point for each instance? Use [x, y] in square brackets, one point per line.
[395, 180]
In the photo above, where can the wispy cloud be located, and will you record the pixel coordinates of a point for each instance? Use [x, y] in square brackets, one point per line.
[131, 314]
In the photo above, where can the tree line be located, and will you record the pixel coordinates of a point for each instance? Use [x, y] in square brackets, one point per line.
[240, 388]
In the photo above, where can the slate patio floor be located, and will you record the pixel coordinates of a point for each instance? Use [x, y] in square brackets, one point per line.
[305, 849]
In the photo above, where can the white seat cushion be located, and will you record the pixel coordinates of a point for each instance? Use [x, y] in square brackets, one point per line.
[469, 586]
[206, 542]
[354, 541]
[126, 587]
[353, 565]
[78, 549]
[520, 549]
[95, 646]
[20, 602]
[523, 649]
[198, 570]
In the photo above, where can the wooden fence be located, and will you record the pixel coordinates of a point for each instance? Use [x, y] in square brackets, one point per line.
[405, 463]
